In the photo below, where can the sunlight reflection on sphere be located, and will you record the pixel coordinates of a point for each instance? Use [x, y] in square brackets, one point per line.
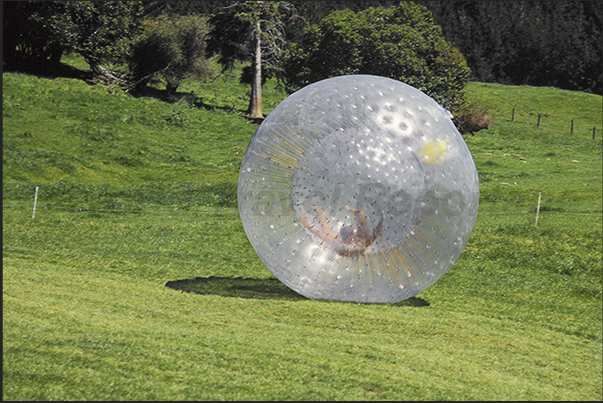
[358, 188]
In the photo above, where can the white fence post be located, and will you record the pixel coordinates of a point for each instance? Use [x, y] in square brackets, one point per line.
[35, 203]
[537, 210]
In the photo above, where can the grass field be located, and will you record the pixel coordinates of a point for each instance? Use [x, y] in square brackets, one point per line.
[138, 193]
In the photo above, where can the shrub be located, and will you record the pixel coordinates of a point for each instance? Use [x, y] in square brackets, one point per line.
[173, 48]
[471, 117]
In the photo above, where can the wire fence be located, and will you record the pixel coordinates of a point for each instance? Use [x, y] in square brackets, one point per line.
[39, 210]
[184, 212]
[178, 210]
[571, 126]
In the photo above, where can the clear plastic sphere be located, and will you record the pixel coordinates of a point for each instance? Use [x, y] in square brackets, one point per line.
[358, 188]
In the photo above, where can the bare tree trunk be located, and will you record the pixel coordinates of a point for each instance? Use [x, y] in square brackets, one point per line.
[255, 103]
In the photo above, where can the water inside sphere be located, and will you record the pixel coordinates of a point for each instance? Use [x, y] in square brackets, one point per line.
[358, 188]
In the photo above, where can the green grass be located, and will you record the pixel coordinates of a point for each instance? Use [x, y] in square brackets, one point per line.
[136, 194]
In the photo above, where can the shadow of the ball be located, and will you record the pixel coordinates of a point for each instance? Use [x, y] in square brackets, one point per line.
[254, 288]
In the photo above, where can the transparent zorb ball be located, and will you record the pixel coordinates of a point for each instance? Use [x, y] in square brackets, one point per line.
[358, 188]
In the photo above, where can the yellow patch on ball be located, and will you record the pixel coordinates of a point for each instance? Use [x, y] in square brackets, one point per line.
[433, 151]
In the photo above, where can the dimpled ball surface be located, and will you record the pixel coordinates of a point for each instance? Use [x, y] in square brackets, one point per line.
[358, 188]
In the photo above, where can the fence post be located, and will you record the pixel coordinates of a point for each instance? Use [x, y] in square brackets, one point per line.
[538, 125]
[537, 210]
[513, 116]
[572, 131]
[594, 131]
[35, 203]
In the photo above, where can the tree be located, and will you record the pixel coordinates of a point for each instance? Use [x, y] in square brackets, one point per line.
[251, 31]
[173, 47]
[98, 30]
[155, 9]
[28, 43]
[400, 42]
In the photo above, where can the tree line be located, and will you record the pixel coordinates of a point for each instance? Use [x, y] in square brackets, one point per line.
[436, 46]
[540, 43]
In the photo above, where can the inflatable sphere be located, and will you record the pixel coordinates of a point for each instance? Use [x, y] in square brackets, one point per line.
[358, 188]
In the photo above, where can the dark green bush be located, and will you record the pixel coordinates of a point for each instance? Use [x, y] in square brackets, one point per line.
[37, 34]
[400, 42]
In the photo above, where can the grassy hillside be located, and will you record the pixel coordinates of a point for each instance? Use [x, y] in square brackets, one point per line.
[137, 193]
